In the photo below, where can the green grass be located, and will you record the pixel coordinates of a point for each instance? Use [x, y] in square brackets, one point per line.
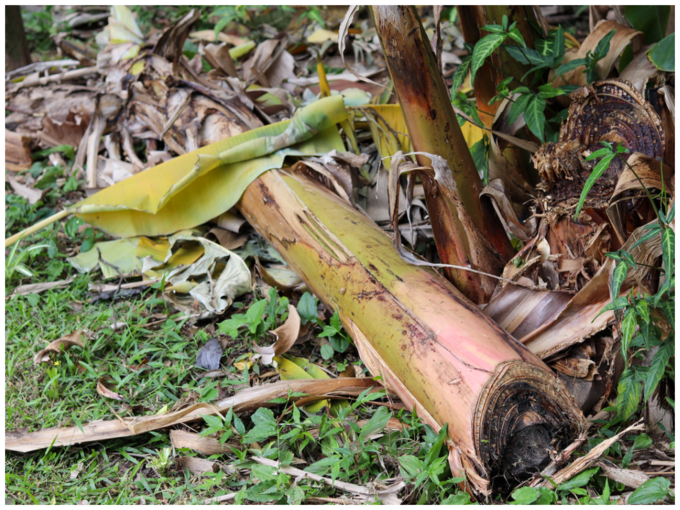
[63, 393]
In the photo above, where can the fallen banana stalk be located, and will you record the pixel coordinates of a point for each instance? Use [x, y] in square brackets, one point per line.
[430, 345]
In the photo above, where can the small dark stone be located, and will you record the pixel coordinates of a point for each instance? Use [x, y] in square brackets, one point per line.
[209, 355]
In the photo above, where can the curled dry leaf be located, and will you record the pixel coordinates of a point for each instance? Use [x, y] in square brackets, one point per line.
[387, 496]
[17, 151]
[286, 334]
[246, 400]
[342, 37]
[227, 239]
[65, 343]
[31, 194]
[588, 459]
[104, 385]
[205, 445]
[628, 477]
[199, 466]
[37, 288]
[623, 37]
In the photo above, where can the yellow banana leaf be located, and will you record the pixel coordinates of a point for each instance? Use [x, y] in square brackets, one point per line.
[196, 187]
[393, 137]
[193, 267]
[291, 367]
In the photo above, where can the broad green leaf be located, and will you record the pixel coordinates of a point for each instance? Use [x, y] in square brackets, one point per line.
[516, 36]
[493, 29]
[620, 272]
[547, 91]
[459, 75]
[480, 155]
[658, 367]
[641, 310]
[642, 442]
[518, 107]
[629, 393]
[377, 422]
[650, 492]
[307, 308]
[527, 56]
[484, 47]
[627, 330]
[254, 314]
[619, 303]
[162, 199]
[534, 116]
[460, 498]
[411, 464]
[327, 351]
[647, 235]
[651, 20]
[668, 249]
[597, 172]
[525, 496]
[667, 307]
[579, 480]
[212, 420]
[569, 66]
[437, 446]
[558, 47]
[599, 153]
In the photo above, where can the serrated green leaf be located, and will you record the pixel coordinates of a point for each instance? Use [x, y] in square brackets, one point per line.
[534, 116]
[265, 426]
[597, 172]
[658, 367]
[484, 47]
[629, 393]
[212, 420]
[650, 492]
[518, 107]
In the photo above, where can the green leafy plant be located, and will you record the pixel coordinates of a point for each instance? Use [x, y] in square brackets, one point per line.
[338, 340]
[637, 309]
[260, 317]
[161, 462]
[590, 60]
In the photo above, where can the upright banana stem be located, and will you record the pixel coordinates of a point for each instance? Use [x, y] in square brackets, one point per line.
[433, 128]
